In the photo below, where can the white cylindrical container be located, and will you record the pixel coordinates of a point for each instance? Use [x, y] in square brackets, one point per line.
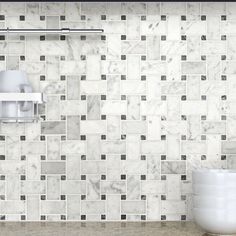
[214, 200]
[14, 81]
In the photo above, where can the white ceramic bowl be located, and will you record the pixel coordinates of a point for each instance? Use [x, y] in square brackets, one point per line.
[216, 221]
[217, 203]
[214, 197]
[215, 177]
[214, 190]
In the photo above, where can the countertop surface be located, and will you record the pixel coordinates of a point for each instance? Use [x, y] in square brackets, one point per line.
[100, 229]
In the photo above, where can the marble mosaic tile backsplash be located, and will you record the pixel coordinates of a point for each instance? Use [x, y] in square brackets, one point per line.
[130, 112]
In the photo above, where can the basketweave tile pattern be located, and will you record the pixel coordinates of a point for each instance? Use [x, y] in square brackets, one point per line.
[130, 113]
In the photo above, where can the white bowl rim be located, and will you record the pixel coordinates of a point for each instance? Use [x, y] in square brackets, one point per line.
[215, 171]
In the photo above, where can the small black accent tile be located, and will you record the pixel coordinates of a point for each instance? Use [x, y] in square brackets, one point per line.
[2, 177]
[163, 157]
[123, 77]
[143, 217]
[83, 77]
[42, 157]
[123, 177]
[143, 157]
[183, 18]
[2, 17]
[103, 57]
[143, 18]
[42, 18]
[103, 17]
[223, 17]
[63, 157]
[22, 217]
[83, 97]
[2, 157]
[163, 197]
[183, 97]
[163, 177]
[103, 197]
[42, 37]
[143, 77]
[163, 137]
[183, 157]
[203, 17]
[123, 57]
[62, 18]
[22, 18]
[203, 77]
[42, 77]
[103, 217]
[42, 217]
[42, 58]
[203, 57]
[123, 217]
[223, 157]
[123, 117]
[83, 177]
[183, 77]
[2, 37]
[223, 37]
[143, 177]
[143, 37]
[103, 137]
[183, 117]
[62, 37]
[203, 117]
[42, 138]
[63, 217]
[163, 37]
[103, 157]
[82, 37]
[83, 117]
[42, 177]
[143, 137]
[2, 138]
[223, 117]
[163, 58]
[183, 37]
[163, 17]
[123, 197]
[103, 177]
[123, 37]
[43, 197]
[143, 197]
[163, 77]
[83, 217]
[103, 97]
[183, 217]
[203, 37]
[103, 77]
[203, 157]
[63, 177]
[123, 17]
[23, 157]
[223, 137]
[22, 58]
[203, 137]
[83, 157]
[123, 157]
[223, 97]
[82, 17]
[83, 197]
[163, 217]
[223, 57]
[103, 37]
[123, 97]
[2, 58]
[223, 77]
[22, 138]
[183, 177]
[123, 137]
[22, 177]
